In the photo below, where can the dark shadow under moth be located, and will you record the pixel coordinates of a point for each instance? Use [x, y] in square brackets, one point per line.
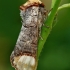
[24, 55]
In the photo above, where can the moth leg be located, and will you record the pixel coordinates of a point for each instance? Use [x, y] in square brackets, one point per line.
[40, 34]
[55, 20]
[40, 37]
[45, 17]
[45, 26]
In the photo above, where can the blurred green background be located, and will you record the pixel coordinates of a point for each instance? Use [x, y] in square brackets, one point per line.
[56, 52]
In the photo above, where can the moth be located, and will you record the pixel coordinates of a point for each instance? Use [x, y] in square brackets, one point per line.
[24, 55]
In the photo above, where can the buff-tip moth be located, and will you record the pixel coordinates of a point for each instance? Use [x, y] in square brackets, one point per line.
[24, 55]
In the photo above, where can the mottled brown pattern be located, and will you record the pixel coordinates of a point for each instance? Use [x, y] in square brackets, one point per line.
[32, 19]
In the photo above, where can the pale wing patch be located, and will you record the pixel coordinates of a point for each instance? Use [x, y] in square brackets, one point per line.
[32, 1]
[24, 62]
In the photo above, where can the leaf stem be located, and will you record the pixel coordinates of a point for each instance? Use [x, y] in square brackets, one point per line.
[46, 31]
[63, 6]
